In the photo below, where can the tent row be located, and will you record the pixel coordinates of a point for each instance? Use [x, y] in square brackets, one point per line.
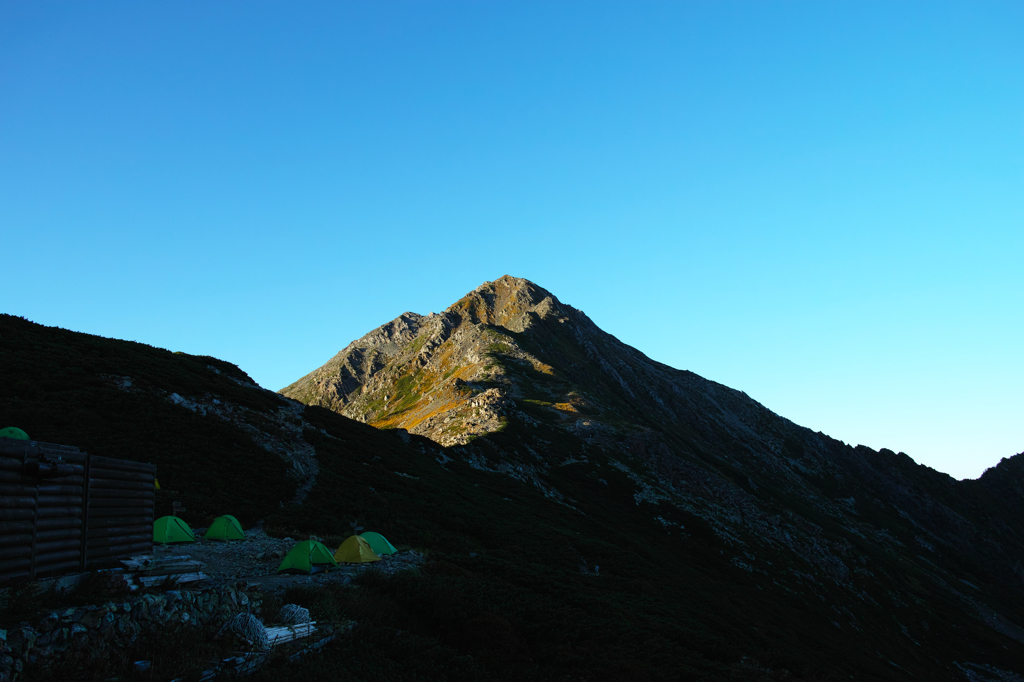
[169, 529]
[310, 556]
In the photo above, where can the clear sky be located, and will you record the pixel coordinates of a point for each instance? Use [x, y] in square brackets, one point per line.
[818, 203]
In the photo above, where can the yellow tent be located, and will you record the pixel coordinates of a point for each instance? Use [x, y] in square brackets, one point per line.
[355, 550]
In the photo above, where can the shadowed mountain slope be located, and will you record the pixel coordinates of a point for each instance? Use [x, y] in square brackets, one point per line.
[586, 542]
[511, 380]
[201, 420]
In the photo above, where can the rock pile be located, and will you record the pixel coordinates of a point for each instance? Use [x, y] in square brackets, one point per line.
[89, 631]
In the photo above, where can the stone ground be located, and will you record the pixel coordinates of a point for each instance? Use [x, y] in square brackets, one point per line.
[232, 569]
[255, 560]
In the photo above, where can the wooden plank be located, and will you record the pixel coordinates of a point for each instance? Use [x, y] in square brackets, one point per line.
[14, 540]
[61, 448]
[68, 468]
[18, 551]
[8, 502]
[121, 493]
[15, 478]
[116, 552]
[10, 464]
[58, 546]
[48, 559]
[143, 514]
[59, 500]
[173, 577]
[120, 516]
[69, 452]
[61, 583]
[83, 559]
[110, 484]
[14, 445]
[174, 559]
[122, 464]
[281, 634]
[6, 576]
[59, 534]
[115, 531]
[118, 540]
[17, 490]
[15, 527]
[126, 539]
[109, 502]
[60, 489]
[58, 567]
[116, 475]
[35, 530]
[15, 564]
[128, 517]
[123, 547]
[59, 522]
[17, 514]
[185, 567]
[58, 512]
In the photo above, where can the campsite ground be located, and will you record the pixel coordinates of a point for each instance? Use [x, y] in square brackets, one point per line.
[249, 566]
[256, 559]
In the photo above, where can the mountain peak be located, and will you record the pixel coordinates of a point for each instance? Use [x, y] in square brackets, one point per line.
[447, 376]
[529, 387]
[506, 302]
[460, 374]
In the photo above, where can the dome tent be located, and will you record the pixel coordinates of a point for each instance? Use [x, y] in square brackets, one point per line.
[355, 550]
[225, 527]
[308, 556]
[13, 432]
[168, 529]
[378, 543]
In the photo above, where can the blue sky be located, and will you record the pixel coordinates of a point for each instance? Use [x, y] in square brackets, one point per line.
[821, 204]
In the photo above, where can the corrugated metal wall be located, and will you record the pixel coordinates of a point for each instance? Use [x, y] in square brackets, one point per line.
[64, 510]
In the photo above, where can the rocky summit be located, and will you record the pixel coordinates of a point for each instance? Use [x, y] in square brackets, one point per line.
[458, 375]
[514, 381]
[449, 376]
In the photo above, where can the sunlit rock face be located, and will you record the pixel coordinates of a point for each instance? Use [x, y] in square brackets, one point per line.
[449, 376]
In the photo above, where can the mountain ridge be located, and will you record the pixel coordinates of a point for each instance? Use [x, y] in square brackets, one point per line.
[520, 383]
[571, 534]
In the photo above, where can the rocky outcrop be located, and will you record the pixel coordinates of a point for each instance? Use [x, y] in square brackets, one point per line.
[445, 375]
[278, 432]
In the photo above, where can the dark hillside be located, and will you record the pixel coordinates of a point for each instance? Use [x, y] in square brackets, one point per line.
[907, 565]
[560, 547]
[603, 595]
[113, 398]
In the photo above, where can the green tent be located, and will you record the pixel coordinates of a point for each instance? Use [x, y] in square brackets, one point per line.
[355, 550]
[225, 527]
[378, 543]
[168, 529]
[308, 556]
[13, 432]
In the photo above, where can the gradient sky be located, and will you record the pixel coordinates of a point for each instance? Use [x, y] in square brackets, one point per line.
[821, 204]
